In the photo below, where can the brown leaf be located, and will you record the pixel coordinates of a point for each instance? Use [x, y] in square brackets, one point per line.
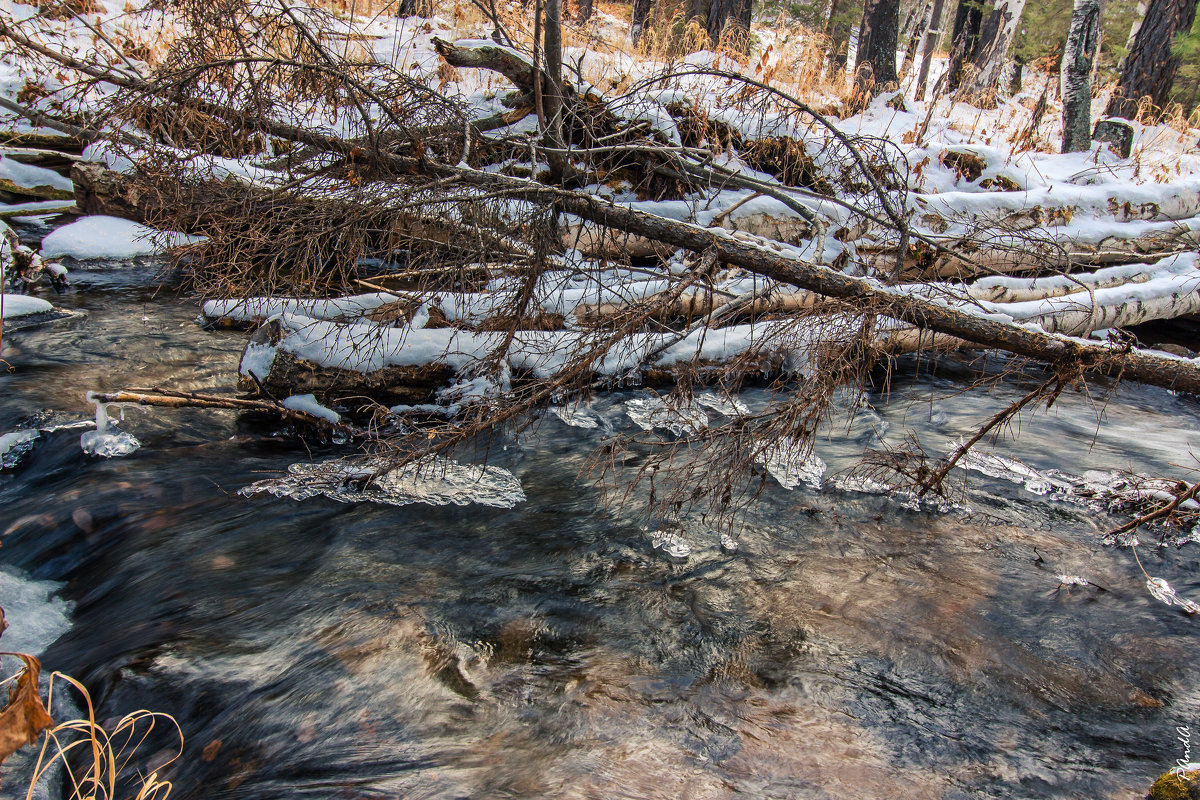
[24, 717]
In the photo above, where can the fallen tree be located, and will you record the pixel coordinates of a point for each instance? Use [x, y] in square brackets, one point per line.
[414, 185]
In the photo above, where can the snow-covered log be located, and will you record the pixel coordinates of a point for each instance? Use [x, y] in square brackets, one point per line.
[1055, 206]
[1079, 243]
[294, 354]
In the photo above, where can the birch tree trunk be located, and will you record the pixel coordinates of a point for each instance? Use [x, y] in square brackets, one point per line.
[877, 43]
[914, 40]
[991, 49]
[1079, 53]
[932, 34]
[1149, 69]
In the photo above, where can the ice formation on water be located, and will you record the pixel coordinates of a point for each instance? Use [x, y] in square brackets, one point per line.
[791, 462]
[436, 481]
[728, 543]
[1098, 490]
[1072, 580]
[906, 498]
[575, 416]
[106, 441]
[1163, 592]
[14, 446]
[1009, 469]
[651, 412]
[729, 406]
[671, 544]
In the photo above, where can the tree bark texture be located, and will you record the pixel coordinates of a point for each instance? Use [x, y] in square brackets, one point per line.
[1149, 69]
[913, 37]
[1083, 39]
[877, 42]
[991, 48]
[964, 40]
[641, 10]
[932, 34]
[722, 13]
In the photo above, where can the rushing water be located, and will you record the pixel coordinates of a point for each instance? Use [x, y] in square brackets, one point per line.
[849, 648]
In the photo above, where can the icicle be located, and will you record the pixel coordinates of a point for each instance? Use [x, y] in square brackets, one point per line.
[106, 441]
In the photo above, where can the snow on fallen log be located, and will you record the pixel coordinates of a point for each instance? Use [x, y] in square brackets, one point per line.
[558, 293]
[109, 237]
[1170, 289]
[1084, 240]
[19, 311]
[1056, 205]
[293, 354]
[315, 347]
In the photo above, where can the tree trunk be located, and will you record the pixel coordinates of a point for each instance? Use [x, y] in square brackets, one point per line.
[914, 40]
[875, 64]
[583, 11]
[932, 34]
[1079, 53]
[838, 31]
[554, 94]
[964, 41]
[722, 13]
[1149, 69]
[991, 49]
[641, 10]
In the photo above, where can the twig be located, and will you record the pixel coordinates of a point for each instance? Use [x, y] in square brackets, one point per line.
[1158, 513]
[934, 481]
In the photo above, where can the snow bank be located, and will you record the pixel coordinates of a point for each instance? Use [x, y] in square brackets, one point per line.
[109, 237]
[20, 305]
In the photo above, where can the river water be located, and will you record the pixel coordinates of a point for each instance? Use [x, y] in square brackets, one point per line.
[849, 648]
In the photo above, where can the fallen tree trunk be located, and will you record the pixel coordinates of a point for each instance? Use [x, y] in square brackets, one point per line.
[1057, 253]
[1070, 356]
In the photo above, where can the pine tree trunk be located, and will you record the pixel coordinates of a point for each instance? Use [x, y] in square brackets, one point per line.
[727, 12]
[1149, 69]
[877, 45]
[991, 49]
[553, 99]
[1079, 53]
[932, 34]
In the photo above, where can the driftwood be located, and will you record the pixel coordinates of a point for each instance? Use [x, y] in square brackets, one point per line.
[168, 398]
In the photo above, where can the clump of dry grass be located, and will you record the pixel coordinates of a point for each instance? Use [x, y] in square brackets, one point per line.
[109, 773]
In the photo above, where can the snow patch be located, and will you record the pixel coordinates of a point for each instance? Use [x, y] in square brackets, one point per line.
[109, 237]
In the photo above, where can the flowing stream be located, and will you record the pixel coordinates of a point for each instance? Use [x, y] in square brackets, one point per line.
[849, 648]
